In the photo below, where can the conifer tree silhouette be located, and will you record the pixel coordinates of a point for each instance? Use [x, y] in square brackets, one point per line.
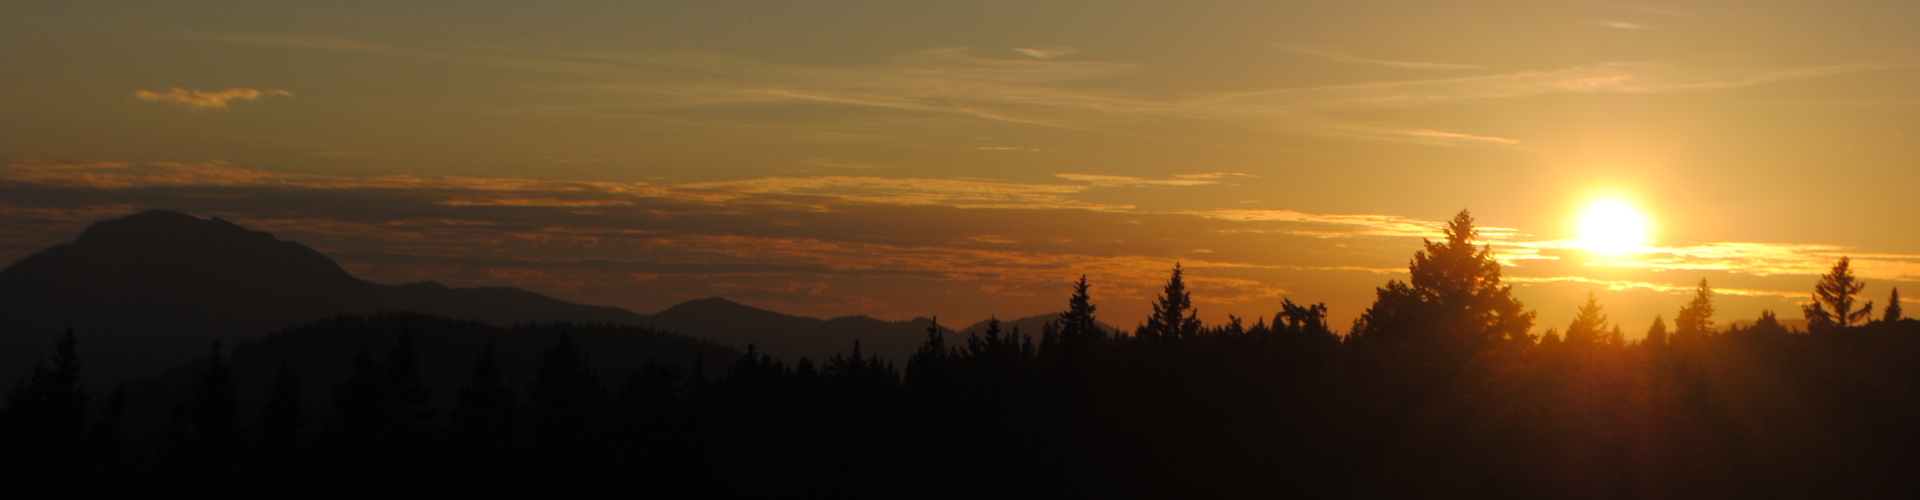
[648, 398]
[1306, 322]
[407, 392]
[567, 395]
[1657, 333]
[277, 431]
[109, 437]
[46, 413]
[1079, 331]
[1173, 316]
[360, 406]
[1893, 311]
[1454, 294]
[1589, 325]
[928, 367]
[209, 434]
[1768, 323]
[484, 410]
[1695, 320]
[1833, 299]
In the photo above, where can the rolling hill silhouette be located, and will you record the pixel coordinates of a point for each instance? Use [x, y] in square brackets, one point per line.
[151, 291]
[789, 337]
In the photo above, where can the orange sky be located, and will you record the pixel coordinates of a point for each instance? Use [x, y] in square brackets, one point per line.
[971, 159]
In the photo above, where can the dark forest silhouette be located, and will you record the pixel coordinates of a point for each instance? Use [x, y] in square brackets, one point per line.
[1438, 389]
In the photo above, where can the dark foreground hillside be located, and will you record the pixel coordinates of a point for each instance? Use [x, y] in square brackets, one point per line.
[321, 354]
[1439, 390]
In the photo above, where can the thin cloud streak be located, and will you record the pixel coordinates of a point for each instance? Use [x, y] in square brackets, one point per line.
[1331, 55]
[1047, 52]
[199, 100]
[1651, 287]
[1044, 92]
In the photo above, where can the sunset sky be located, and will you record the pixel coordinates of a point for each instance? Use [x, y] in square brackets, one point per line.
[961, 159]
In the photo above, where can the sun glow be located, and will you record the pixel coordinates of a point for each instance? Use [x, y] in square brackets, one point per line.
[1612, 227]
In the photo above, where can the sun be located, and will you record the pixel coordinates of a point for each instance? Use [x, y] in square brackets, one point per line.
[1612, 227]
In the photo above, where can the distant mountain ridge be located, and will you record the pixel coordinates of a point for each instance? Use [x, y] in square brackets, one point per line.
[1030, 325]
[790, 337]
[152, 290]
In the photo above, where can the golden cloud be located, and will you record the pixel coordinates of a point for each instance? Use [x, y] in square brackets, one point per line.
[196, 99]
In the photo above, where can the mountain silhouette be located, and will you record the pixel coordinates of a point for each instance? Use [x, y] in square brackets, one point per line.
[151, 291]
[789, 337]
[1030, 325]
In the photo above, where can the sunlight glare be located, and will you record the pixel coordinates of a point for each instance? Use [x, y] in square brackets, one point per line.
[1612, 227]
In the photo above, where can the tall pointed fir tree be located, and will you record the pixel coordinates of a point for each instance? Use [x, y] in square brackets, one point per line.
[406, 390]
[1657, 333]
[359, 419]
[484, 410]
[929, 368]
[277, 431]
[208, 433]
[1695, 320]
[1454, 296]
[1833, 300]
[1893, 312]
[46, 414]
[1078, 328]
[1173, 315]
[1589, 326]
[567, 395]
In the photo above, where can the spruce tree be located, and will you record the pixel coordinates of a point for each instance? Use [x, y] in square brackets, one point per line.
[360, 408]
[46, 413]
[277, 429]
[485, 408]
[405, 388]
[1173, 315]
[1454, 296]
[109, 440]
[1077, 324]
[210, 432]
[1657, 334]
[1833, 299]
[1589, 326]
[566, 394]
[1695, 320]
[928, 368]
[1893, 312]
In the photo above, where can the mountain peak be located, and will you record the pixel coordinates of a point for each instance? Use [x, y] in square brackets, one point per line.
[152, 289]
[165, 227]
[712, 306]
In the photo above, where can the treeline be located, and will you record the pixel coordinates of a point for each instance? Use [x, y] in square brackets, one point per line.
[1437, 390]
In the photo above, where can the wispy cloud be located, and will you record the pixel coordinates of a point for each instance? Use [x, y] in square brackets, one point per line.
[1664, 11]
[1047, 52]
[1622, 25]
[835, 193]
[832, 163]
[1651, 287]
[1042, 89]
[196, 99]
[1127, 181]
[1346, 225]
[1331, 55]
